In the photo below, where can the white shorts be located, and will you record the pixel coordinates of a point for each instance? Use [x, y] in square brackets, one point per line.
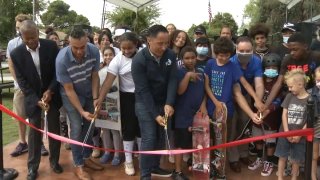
[259, 132]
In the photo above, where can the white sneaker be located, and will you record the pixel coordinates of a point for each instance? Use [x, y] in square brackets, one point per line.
[255, 165]
[129, 168]
[267, 168]
[171, 159]
[95, 153]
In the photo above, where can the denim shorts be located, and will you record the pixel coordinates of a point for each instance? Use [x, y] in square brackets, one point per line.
[294, 151]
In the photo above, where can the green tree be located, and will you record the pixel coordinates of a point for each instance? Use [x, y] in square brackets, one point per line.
[60, 17]
[213, 28]
[137, 21]
[9, 9]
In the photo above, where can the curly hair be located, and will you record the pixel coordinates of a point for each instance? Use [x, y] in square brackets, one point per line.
[260, 28]
[296, 75]
[223, 45]
[174, 35]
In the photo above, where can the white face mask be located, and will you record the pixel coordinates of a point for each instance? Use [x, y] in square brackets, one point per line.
[318, 85]
[285, 39]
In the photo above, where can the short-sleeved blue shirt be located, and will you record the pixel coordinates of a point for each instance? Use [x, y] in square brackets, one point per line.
[221, 80]
[69, 70]
[254, 69]
[189, 102]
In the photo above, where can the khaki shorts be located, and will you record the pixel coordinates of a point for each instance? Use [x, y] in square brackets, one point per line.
[18, 104]
[259, 132]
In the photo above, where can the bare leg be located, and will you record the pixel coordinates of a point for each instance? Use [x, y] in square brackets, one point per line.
[177, 162]
[295, 171]
[281, 166]
[22, 132]
[314, 161]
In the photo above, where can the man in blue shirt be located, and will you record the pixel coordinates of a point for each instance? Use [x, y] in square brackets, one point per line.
[251, 68]
[77, 69]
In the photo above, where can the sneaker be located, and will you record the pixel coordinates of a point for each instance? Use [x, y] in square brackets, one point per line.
[44, 151]
[179, 176]
[185, 157]
[20, 149]
[105, 158]
[255, 165]
[160, 173]
[171, 159]
[129, 168]
[115, 161]
[95, 153]
[267, 168]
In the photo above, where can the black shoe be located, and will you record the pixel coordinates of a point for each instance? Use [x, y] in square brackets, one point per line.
[161, 173]
[57, 168]
[32, 175]
[20, 149]
[44, 151]
[179, 176]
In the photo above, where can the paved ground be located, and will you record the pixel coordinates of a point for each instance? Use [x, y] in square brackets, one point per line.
[110, 172]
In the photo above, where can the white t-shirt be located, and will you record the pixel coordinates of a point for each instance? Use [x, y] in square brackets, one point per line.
[103, 74]
[121, 65]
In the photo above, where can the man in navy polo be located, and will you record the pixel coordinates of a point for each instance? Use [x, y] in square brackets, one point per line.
[154, 72]
[77, 67]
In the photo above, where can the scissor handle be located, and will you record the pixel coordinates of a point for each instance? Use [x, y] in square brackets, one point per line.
[44, 105]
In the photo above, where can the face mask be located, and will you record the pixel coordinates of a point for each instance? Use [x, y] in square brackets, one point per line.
[244, 58]
[271, 73]
[318, 85]
[202, 51]
[285, 39]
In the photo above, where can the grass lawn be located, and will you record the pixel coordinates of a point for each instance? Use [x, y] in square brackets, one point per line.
[9, 125]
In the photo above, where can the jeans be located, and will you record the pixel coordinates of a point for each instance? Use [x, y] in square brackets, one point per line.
[78, 128]
[152, 138]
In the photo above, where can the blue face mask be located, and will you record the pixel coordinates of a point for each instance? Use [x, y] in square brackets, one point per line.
[202, 51]
[271, 73]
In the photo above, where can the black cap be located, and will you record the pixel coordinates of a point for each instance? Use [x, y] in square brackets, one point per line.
[288, 26]
[200, 29]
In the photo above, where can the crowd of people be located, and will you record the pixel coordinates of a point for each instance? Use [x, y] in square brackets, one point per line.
[162, 72]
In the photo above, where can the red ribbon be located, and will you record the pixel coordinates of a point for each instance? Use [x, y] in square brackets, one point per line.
[303, 132]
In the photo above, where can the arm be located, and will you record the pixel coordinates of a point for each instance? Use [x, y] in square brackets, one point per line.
[73, 98]
[95, 85]
[252, 93]
[11, 69]
[210, 94]
[242, 102]
[259, 87]
[203, 106]
[171, 90]
[141, 83]
[106, 87]
[183, 85]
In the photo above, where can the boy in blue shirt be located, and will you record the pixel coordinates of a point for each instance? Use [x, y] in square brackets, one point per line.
[222, 84]
[190, 96]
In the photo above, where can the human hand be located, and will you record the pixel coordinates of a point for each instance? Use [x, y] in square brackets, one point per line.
[47, 96]
[194, 76]
[168, 110]
[256, 118]
[161, 121]
[87, 115]
[219, 109]
[259, 105]
[296, 139]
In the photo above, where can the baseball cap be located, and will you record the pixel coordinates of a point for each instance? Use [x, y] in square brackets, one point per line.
[288, 26]
[200, 29]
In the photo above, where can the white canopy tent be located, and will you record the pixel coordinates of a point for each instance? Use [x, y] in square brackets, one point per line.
[133, 5]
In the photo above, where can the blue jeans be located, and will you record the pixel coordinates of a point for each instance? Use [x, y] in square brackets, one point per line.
[78, 128]
[152, 138]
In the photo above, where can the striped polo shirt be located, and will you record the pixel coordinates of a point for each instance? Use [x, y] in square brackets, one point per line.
[69, 70]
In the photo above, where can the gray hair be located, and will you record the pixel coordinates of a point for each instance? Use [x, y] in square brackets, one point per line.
[27, 25]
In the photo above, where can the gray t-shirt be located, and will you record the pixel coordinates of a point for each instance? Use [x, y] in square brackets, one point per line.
[297, 111]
